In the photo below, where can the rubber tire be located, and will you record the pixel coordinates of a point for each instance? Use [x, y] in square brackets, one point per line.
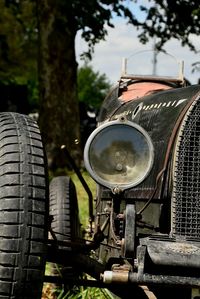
[65, 223]
[23, 208]
[64, 209]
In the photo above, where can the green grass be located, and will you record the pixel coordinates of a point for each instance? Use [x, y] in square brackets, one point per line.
[86, 293]
[82, 196]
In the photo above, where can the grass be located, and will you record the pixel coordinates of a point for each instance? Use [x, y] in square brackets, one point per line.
[86, 293]
[78, 292]
[83, 197]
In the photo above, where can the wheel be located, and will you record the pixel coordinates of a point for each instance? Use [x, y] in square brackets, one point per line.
[64, 209]
[23, 208]
[65, 218]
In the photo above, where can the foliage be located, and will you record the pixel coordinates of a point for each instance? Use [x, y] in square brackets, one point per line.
[85, 293]
[56, 23]
[168, 19]
[92, 86]
[18, 36]
[18, 51]
[164, 19]
[18, 32]
[196, 66]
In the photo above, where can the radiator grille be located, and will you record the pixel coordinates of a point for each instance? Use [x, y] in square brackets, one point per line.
[186, 177]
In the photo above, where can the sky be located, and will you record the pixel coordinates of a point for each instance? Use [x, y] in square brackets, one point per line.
[122, 41]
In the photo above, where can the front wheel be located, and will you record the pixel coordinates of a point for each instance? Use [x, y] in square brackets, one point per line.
[65, 223]
[23, 208]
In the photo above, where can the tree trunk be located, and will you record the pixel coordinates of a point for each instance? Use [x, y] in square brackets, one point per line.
[59, 114]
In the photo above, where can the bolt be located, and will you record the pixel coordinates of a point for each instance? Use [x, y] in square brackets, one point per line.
[120, 216]
[118, 242]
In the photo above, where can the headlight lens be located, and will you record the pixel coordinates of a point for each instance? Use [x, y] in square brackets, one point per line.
[119, 154]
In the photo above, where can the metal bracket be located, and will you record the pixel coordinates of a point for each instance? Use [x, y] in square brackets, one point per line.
[128, 247]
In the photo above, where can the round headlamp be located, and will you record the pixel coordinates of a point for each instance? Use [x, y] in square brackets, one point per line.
[119, 154]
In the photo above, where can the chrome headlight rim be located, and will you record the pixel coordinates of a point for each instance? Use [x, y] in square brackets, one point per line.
[120, 121]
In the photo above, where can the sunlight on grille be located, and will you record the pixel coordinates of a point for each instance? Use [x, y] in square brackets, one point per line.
[186, 193]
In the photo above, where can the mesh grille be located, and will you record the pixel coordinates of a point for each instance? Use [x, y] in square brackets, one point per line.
[186, 188]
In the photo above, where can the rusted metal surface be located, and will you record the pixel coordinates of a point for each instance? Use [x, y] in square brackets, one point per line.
[110, 277]
[150, 294]
[141, 89]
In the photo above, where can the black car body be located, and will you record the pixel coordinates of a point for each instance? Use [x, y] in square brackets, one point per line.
[145, 157]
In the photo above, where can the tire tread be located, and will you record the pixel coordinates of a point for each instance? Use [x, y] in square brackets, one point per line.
[23, 207]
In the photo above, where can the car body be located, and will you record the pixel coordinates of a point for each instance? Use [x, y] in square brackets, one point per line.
[144, 155]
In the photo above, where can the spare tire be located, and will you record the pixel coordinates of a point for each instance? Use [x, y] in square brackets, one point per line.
[23, 208]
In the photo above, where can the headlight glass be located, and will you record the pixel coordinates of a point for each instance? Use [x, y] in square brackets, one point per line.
[119, 154]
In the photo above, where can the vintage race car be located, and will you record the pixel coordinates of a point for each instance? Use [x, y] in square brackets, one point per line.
[145, 233]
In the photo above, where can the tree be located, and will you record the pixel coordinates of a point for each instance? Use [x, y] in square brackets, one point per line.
[60, 20]
[58, 23]
[18, 50]
[92, 89]
[59, 114]
[92, 86]
[166, 19]
[18, 36]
